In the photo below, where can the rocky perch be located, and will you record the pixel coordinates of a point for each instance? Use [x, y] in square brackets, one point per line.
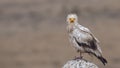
[79, 63]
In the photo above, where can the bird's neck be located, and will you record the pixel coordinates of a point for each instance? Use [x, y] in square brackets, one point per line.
[70, 27]
[77, 24]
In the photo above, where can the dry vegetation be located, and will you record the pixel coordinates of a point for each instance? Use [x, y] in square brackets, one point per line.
[33, 32]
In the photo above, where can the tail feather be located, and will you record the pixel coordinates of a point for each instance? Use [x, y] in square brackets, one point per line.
[103, 60]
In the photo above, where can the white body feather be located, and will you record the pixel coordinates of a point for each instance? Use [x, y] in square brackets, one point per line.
[82, 34]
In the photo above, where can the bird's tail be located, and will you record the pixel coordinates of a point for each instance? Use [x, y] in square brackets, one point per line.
[103, 60]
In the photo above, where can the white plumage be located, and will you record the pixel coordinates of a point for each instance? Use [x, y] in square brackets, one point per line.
[83, 39]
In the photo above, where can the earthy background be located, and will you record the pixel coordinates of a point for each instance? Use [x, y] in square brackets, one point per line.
[33, 32]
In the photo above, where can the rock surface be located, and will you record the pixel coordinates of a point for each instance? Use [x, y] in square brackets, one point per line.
[79, 63]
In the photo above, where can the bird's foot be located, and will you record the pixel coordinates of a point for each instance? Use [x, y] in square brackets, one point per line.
[77, 58]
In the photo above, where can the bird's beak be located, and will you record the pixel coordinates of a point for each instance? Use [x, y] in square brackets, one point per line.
[71, 20]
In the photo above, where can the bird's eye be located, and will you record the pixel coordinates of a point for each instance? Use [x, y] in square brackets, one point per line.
[70, 18]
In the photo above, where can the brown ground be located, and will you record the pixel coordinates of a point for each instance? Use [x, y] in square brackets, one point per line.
[33, 32]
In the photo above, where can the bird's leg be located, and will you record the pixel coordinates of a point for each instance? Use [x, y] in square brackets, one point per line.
[80, 57]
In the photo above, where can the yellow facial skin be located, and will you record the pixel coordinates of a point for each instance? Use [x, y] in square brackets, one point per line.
[71, 20]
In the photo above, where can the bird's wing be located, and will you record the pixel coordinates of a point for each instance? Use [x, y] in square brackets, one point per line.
[86, 30]
[89, 44]
[94, 43]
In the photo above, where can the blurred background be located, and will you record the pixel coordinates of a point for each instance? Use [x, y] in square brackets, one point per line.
[33, 32]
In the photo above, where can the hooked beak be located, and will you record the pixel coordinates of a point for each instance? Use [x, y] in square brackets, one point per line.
[71, 20]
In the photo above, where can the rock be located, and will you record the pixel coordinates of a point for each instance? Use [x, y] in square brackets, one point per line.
[79, 63]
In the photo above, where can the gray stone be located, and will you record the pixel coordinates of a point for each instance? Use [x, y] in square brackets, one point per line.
[79, 63]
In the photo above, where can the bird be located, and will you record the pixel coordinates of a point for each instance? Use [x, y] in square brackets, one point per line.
[82, 39]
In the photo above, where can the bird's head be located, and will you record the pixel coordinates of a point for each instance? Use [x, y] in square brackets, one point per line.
[72, 18]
